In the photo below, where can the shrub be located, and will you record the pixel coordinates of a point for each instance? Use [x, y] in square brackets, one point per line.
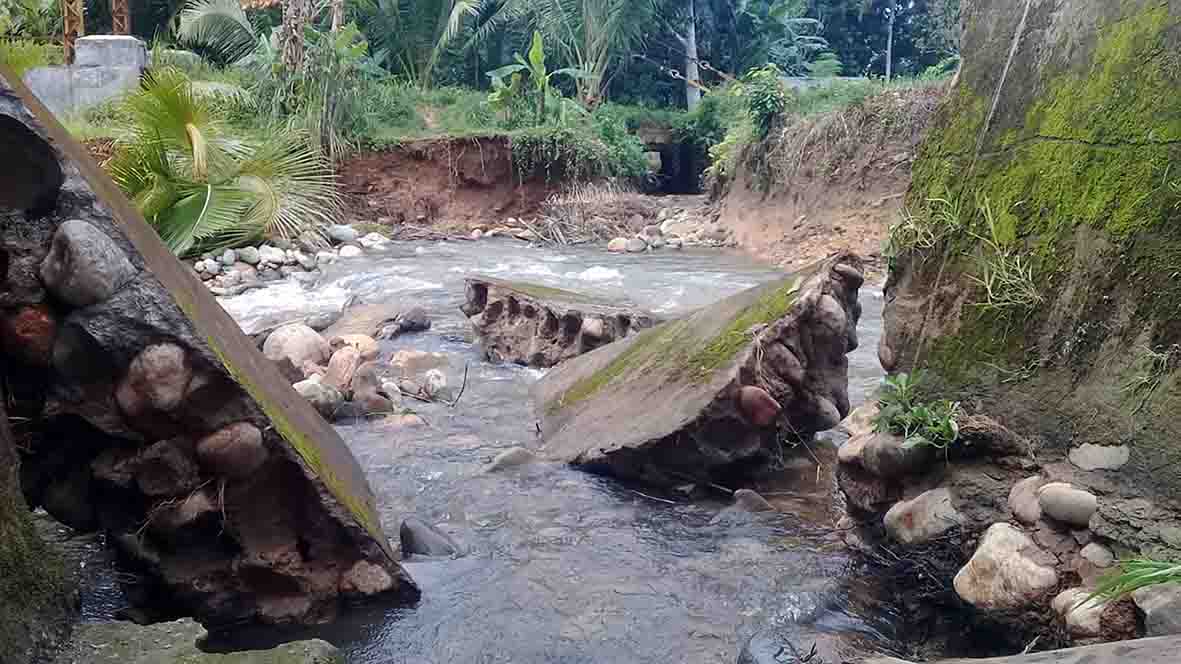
[205, 190]
[921, 423]
[766, 98]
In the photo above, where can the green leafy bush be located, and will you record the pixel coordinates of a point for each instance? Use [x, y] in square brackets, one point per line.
[766, 98]
[903, 412]
[570, 154]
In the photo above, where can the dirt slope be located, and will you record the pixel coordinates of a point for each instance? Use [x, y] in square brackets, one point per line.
[829, 183]
[450, 183]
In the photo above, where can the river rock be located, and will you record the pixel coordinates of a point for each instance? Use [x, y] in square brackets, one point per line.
[350, 251]
[541, 326]
[1161, 605]
[249, 255]
[167, 469]
[618, 245]
[1023, 500]
[297, 342]
[414, 319]
[1062, 502]
[1100, 457]
[510, 458]
[326, 399]
[887, 456]
[228, 257]
[412, 363]
[1007, 571]
[630, 408]
[751, 501]
[342, 367]
[381, 321]
[1080, 613]
[340, 234]
[636, 245]
[84, 266]
[29, 334]
[235, 451]
[271, 255]
[364, 344]
[177, 643]
[923, 518]
[434, 384]
[420, 539]
[981, 435]
[373, 241]
[156, 380]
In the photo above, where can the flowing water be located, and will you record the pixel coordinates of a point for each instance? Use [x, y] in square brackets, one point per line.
[560, 565]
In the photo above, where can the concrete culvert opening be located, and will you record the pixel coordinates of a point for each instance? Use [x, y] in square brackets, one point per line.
[33, 176]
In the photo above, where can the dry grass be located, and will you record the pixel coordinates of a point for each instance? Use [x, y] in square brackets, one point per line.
[851, 139]
[590, 212]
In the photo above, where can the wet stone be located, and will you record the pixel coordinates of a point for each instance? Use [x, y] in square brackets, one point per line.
[84, 265]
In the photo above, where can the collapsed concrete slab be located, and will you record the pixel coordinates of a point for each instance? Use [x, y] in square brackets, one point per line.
[541, 326]
[715, 390]
[144, 412]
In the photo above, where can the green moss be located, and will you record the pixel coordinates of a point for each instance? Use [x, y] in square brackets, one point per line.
[34, 585]
[675, 349]
[722, 349]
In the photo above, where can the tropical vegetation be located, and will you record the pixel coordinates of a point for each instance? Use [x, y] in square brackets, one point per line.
[277, 93]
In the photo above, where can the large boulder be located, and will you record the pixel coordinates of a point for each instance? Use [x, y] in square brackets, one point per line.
[1008, 571]
[298, 343]
[159, 422]
[541, 326]
[665, 405]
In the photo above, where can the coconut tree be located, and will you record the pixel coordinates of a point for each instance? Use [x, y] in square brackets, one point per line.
[204, 190]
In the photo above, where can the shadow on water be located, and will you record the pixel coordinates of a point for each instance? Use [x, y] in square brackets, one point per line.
[559, 565]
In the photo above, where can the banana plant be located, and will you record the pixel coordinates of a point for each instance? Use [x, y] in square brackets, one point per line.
[539, 75]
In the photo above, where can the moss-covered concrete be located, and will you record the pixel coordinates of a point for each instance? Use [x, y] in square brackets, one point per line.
[176, 643]
[1078, 166]
[38, 596]
[676, 350]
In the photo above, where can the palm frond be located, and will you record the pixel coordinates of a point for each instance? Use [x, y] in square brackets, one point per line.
[293, 190]
[219, 26]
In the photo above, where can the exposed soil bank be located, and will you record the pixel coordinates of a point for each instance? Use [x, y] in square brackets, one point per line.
[828, 183]
[453, 183]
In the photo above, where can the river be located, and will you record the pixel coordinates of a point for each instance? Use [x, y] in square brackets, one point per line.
[560, 565]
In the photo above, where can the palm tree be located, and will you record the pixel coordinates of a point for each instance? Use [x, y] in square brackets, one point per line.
[219, 27]
[592, 35]
[204, 190]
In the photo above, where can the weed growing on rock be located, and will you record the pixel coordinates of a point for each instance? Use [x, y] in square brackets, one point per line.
[925, 231]
[1132, 575]
[920, 423]
[1149, 372]
[1005, 275]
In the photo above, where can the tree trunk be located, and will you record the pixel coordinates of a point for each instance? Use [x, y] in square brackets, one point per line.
[295, 17]
[692, 70]
[890, 43]
[337, 14]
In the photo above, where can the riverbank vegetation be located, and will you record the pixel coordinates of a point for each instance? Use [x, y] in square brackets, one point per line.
[572, 84]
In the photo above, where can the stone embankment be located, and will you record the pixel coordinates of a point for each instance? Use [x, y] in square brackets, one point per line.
[144, 412]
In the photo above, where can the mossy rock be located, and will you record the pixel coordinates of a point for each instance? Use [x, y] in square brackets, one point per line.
[176, 643]
[666, 404]
[1078, 158]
